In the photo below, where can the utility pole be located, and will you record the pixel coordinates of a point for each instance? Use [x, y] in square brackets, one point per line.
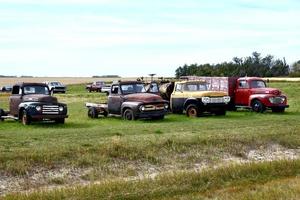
[151, 75]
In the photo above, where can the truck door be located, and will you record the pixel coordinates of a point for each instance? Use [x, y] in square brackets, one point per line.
[15, 100]
[242, 93]
[177, 98]
[115, 100]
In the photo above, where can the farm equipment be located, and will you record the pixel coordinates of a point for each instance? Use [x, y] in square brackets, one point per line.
[33, 102]
[130, 100]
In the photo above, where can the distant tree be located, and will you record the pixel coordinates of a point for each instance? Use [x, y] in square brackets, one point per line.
[254, 65]
[295, 71]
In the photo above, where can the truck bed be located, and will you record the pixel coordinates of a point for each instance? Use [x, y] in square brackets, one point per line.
[97, 105]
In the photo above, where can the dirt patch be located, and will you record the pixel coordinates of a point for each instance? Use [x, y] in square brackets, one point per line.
[67, 177]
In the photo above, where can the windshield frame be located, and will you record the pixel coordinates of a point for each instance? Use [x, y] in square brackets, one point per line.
[47, 92]
[143, 90]
[185, 88]
[253, 86]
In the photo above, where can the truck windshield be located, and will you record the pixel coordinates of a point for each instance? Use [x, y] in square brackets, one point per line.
[193, 87]
[133, 88]
[257, 84]
[56, 84]
[36, 90]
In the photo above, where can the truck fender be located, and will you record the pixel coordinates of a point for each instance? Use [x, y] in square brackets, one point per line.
[190, 101]
[260, 97]
[134, 106]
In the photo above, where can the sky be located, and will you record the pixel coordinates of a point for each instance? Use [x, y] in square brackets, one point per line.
[138, 37]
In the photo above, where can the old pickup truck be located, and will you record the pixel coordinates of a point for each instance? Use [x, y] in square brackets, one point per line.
[195, 98]
[33, 102]
[130, 100]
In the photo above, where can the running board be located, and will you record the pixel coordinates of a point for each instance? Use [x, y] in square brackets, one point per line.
[10, 117]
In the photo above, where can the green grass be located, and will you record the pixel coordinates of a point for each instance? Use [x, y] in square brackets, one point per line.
[114, 148]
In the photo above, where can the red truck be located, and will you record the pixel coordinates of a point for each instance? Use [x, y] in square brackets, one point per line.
[247, 92]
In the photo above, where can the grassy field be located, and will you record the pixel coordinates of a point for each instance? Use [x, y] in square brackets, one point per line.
[242, 155]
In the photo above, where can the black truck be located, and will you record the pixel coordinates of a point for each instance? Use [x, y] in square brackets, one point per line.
[33, 102]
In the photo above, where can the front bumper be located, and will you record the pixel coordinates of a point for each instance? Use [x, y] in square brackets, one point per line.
[151, 114]
[49, 117]
[278, 106]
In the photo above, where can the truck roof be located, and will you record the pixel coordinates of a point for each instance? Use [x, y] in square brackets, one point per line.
[130, 82]
[192, 81]
[250, 78]
[30, 84]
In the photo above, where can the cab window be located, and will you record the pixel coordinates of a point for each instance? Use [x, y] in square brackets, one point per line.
[243, 84]
[178, 87]
[115, 89]
[154, 88]
[16, 90]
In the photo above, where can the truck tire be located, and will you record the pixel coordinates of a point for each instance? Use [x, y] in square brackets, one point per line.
[257, 106]
[60, 121]
[25, 118]
[192, 110]
[93, 113]
[278, 110]
[128, 115]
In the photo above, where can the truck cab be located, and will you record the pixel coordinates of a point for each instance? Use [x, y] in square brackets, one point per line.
[195, 98]
[130, 100]
[253, 92]
[33, 102]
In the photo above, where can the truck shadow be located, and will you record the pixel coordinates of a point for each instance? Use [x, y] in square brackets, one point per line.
[67, 125]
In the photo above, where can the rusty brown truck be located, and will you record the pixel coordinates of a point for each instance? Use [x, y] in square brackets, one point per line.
[130, 100]
[33, 102]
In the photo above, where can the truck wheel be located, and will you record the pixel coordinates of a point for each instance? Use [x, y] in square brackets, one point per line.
[128, 115]
[192, 111]
[60, 121]
[220, 112]
[257, 106]
[93, 113]
[25, 119]
[278, 110]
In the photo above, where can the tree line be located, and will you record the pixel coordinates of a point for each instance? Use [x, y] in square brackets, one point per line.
[254, 65]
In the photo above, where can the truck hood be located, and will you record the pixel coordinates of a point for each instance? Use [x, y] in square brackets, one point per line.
[144, 98]
[200, 94]
[39, 98]
[273, 91]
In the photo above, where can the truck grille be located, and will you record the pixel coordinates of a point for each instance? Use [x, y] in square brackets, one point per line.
[154, 107]
[50, 110]
[217, 100]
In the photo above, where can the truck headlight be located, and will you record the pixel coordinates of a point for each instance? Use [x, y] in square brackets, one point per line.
[38, 108]
[276, 100]
[142, 108]
[61, 108]
[226, 99]
[205, 100]
[166, 106]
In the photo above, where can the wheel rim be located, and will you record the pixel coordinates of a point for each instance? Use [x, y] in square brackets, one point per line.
[192, 112]
[257, 107]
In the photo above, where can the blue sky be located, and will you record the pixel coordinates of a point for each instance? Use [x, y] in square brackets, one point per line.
[138, 37]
